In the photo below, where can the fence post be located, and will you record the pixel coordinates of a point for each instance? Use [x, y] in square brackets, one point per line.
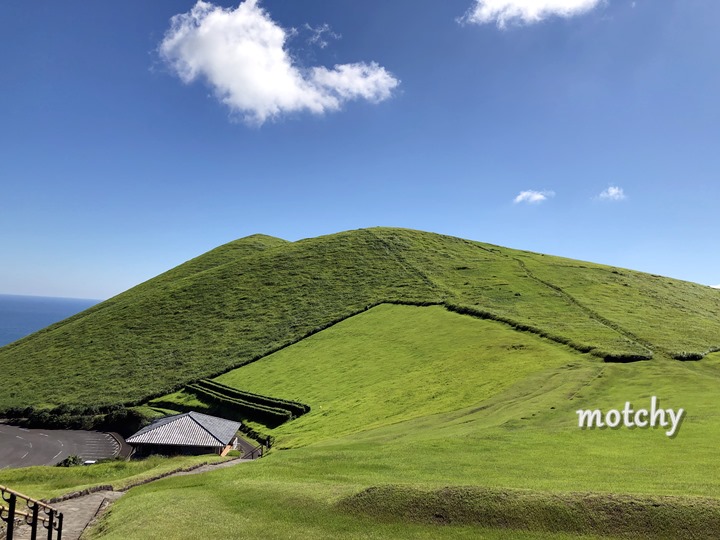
[10, 513]
[33, 524]
[59, 527]
[11, 516]
[51, 522]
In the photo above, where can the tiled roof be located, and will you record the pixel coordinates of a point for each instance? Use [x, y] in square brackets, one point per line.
[189, 429]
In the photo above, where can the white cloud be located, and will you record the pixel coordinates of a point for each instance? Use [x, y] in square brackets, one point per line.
[503, 12]
[715, 286]
[613, 193]
[316, 35]
[533, 197]
[241, 53]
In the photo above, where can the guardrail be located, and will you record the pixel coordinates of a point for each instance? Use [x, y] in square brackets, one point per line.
[37, 513]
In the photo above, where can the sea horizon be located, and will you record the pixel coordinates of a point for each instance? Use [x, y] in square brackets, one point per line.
[22, 315]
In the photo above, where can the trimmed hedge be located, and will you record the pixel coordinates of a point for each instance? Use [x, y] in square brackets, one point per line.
[294, 407]
[522, 327]
[117, 418]
[241, 409]
[692, 356]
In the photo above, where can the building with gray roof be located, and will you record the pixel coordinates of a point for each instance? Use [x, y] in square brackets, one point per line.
[188, 433]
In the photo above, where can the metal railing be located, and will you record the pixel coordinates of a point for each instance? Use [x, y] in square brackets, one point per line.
[34, 514]
[255, 453]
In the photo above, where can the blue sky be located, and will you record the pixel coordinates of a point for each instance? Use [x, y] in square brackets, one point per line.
[132, 141]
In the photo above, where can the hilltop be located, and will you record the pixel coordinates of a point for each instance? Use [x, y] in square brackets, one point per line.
[248, 298]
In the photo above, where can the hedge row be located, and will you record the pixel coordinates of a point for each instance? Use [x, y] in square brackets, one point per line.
[294, 407]
[685, 355]
[583, 348]
[241, 409]
[63, 410]
[119, 419]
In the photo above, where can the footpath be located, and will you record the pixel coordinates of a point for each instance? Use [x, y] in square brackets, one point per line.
[81, 511]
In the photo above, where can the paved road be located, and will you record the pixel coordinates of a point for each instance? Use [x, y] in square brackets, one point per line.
[21, 447]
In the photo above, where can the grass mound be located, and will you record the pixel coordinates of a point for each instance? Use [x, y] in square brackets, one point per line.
[578, 513]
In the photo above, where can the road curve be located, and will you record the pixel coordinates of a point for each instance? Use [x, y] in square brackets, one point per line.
[20, 447]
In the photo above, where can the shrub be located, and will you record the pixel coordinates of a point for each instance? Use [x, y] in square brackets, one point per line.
[688, 356]
[70, 461]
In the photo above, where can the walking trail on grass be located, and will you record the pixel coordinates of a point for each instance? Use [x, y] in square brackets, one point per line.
[79, 512]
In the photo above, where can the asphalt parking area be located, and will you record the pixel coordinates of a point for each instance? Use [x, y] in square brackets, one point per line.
[20, 447]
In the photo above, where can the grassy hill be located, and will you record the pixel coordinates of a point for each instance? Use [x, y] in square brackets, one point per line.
[442, 376]
[250, 297]
[432, 424]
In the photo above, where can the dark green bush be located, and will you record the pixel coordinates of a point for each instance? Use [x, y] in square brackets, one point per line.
[688, 356]
[70, 461]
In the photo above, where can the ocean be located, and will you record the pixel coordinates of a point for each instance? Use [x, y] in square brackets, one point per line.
[23, 315]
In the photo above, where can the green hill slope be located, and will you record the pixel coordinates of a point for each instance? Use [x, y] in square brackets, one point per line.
[248, 298]
[395, 363]
[432, 424]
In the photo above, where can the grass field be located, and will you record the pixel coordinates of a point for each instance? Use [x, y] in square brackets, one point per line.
[48, 482]
[425, 399]
[395, 363]
[250, 297]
